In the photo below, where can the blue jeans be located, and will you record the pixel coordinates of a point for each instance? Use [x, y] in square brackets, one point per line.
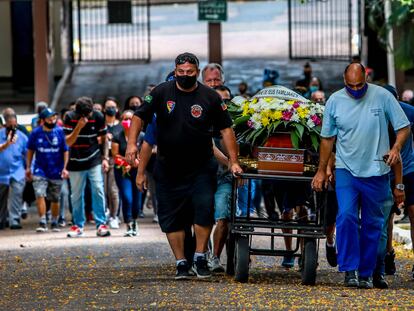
[357, 240]
[242, 198]
[131, 197]
[382, 246]
[78, 183]
[222, 199]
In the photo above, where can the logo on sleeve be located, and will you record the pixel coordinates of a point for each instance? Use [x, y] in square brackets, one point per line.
[148, 99]
[170, 106]
[196, 111]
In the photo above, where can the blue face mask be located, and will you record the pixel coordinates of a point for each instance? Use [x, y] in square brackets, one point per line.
[313, 88]
[357, 94]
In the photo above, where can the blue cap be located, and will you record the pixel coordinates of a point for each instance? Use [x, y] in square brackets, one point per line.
[46, 113]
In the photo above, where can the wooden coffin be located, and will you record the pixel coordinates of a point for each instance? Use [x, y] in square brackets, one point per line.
[280, 161]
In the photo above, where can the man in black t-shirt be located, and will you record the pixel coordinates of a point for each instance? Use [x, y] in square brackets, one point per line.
[185, 171]
[82, 128]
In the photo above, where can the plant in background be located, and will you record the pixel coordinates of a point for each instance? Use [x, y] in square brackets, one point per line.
[276, 109]
[401, 19]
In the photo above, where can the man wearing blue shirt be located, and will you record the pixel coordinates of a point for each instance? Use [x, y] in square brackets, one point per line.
[12, 154]
[385, 249]
[48, 143]
[358, 116]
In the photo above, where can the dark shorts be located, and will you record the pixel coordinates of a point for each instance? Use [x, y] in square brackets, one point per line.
[290, 194]
[408, 181]
[186, 202]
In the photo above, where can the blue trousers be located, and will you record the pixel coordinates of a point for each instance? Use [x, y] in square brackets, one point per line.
[131, 197]
[358, 238]
[382, 246]
[78, 184]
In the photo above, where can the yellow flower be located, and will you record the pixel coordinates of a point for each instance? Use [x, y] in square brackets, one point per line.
[254, 100]
[277, 115]
[246, 109]
[265, 121]
[268, 99]
[290, 102]
[302, 112]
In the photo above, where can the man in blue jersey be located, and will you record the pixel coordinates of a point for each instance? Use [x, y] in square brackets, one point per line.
[385, 250]
[48, 144]
[357, 116]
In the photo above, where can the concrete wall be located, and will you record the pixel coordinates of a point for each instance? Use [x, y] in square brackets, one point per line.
[5, 40]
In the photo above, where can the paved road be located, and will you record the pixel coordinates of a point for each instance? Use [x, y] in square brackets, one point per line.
[50, 272]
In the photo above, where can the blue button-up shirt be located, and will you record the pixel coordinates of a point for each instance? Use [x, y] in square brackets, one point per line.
[12, 159]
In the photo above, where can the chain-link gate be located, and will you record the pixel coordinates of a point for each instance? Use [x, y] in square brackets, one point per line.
[111, 31]
[324, 29]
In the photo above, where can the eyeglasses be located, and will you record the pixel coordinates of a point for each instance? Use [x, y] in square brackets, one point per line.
[182, 59]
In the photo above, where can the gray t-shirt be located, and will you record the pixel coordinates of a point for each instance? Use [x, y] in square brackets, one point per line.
[361, 129]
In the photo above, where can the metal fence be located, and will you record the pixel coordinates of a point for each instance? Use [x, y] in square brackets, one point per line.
[111, 31]
[324, 29]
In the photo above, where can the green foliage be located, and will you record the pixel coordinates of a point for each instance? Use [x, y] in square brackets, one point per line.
[402, 20]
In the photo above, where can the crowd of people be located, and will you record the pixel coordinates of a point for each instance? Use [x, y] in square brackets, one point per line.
[176, 150]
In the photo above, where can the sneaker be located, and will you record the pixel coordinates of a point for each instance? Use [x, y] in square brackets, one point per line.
[75, 232]
[288, 261]
[55, 227]
[16, 226]
[24, 214]
[129, 232]
[42, 227]
[379, 281]
[200, 268]
[366, 283]
[155, 219]
[331, 256]
[389, 262]
[182, 271]
[114, 223]
[215, 265]
[135, 230]
[103, 231]
[351, 279]
[141, 214]
[62, 222]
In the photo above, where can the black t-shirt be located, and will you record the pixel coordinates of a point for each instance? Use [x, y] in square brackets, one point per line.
[85, 152]
[115, 129]
[185, 123]
[119, 138]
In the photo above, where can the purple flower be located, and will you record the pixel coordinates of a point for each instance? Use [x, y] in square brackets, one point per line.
[287, 115]
[250, 123]
[316, 119]
[296, 105]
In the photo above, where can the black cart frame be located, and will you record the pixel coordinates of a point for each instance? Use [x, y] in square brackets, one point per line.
[242, 229]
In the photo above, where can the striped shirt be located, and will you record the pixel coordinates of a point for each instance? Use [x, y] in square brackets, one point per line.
[85, 152]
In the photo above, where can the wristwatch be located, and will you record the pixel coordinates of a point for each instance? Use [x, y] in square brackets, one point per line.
[400, 187]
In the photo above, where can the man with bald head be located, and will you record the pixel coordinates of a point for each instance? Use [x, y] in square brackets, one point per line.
[357, 116]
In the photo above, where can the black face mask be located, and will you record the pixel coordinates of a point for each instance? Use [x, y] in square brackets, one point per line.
[83, 110]
[186, 82]
[49, 125]
[133, 108]
[110, 111]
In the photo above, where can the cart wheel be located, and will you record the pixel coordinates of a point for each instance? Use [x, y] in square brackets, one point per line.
[242, 258]
[230, 246]
[309, 262]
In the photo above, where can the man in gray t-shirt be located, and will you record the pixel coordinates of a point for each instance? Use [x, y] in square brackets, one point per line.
[357, 117]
